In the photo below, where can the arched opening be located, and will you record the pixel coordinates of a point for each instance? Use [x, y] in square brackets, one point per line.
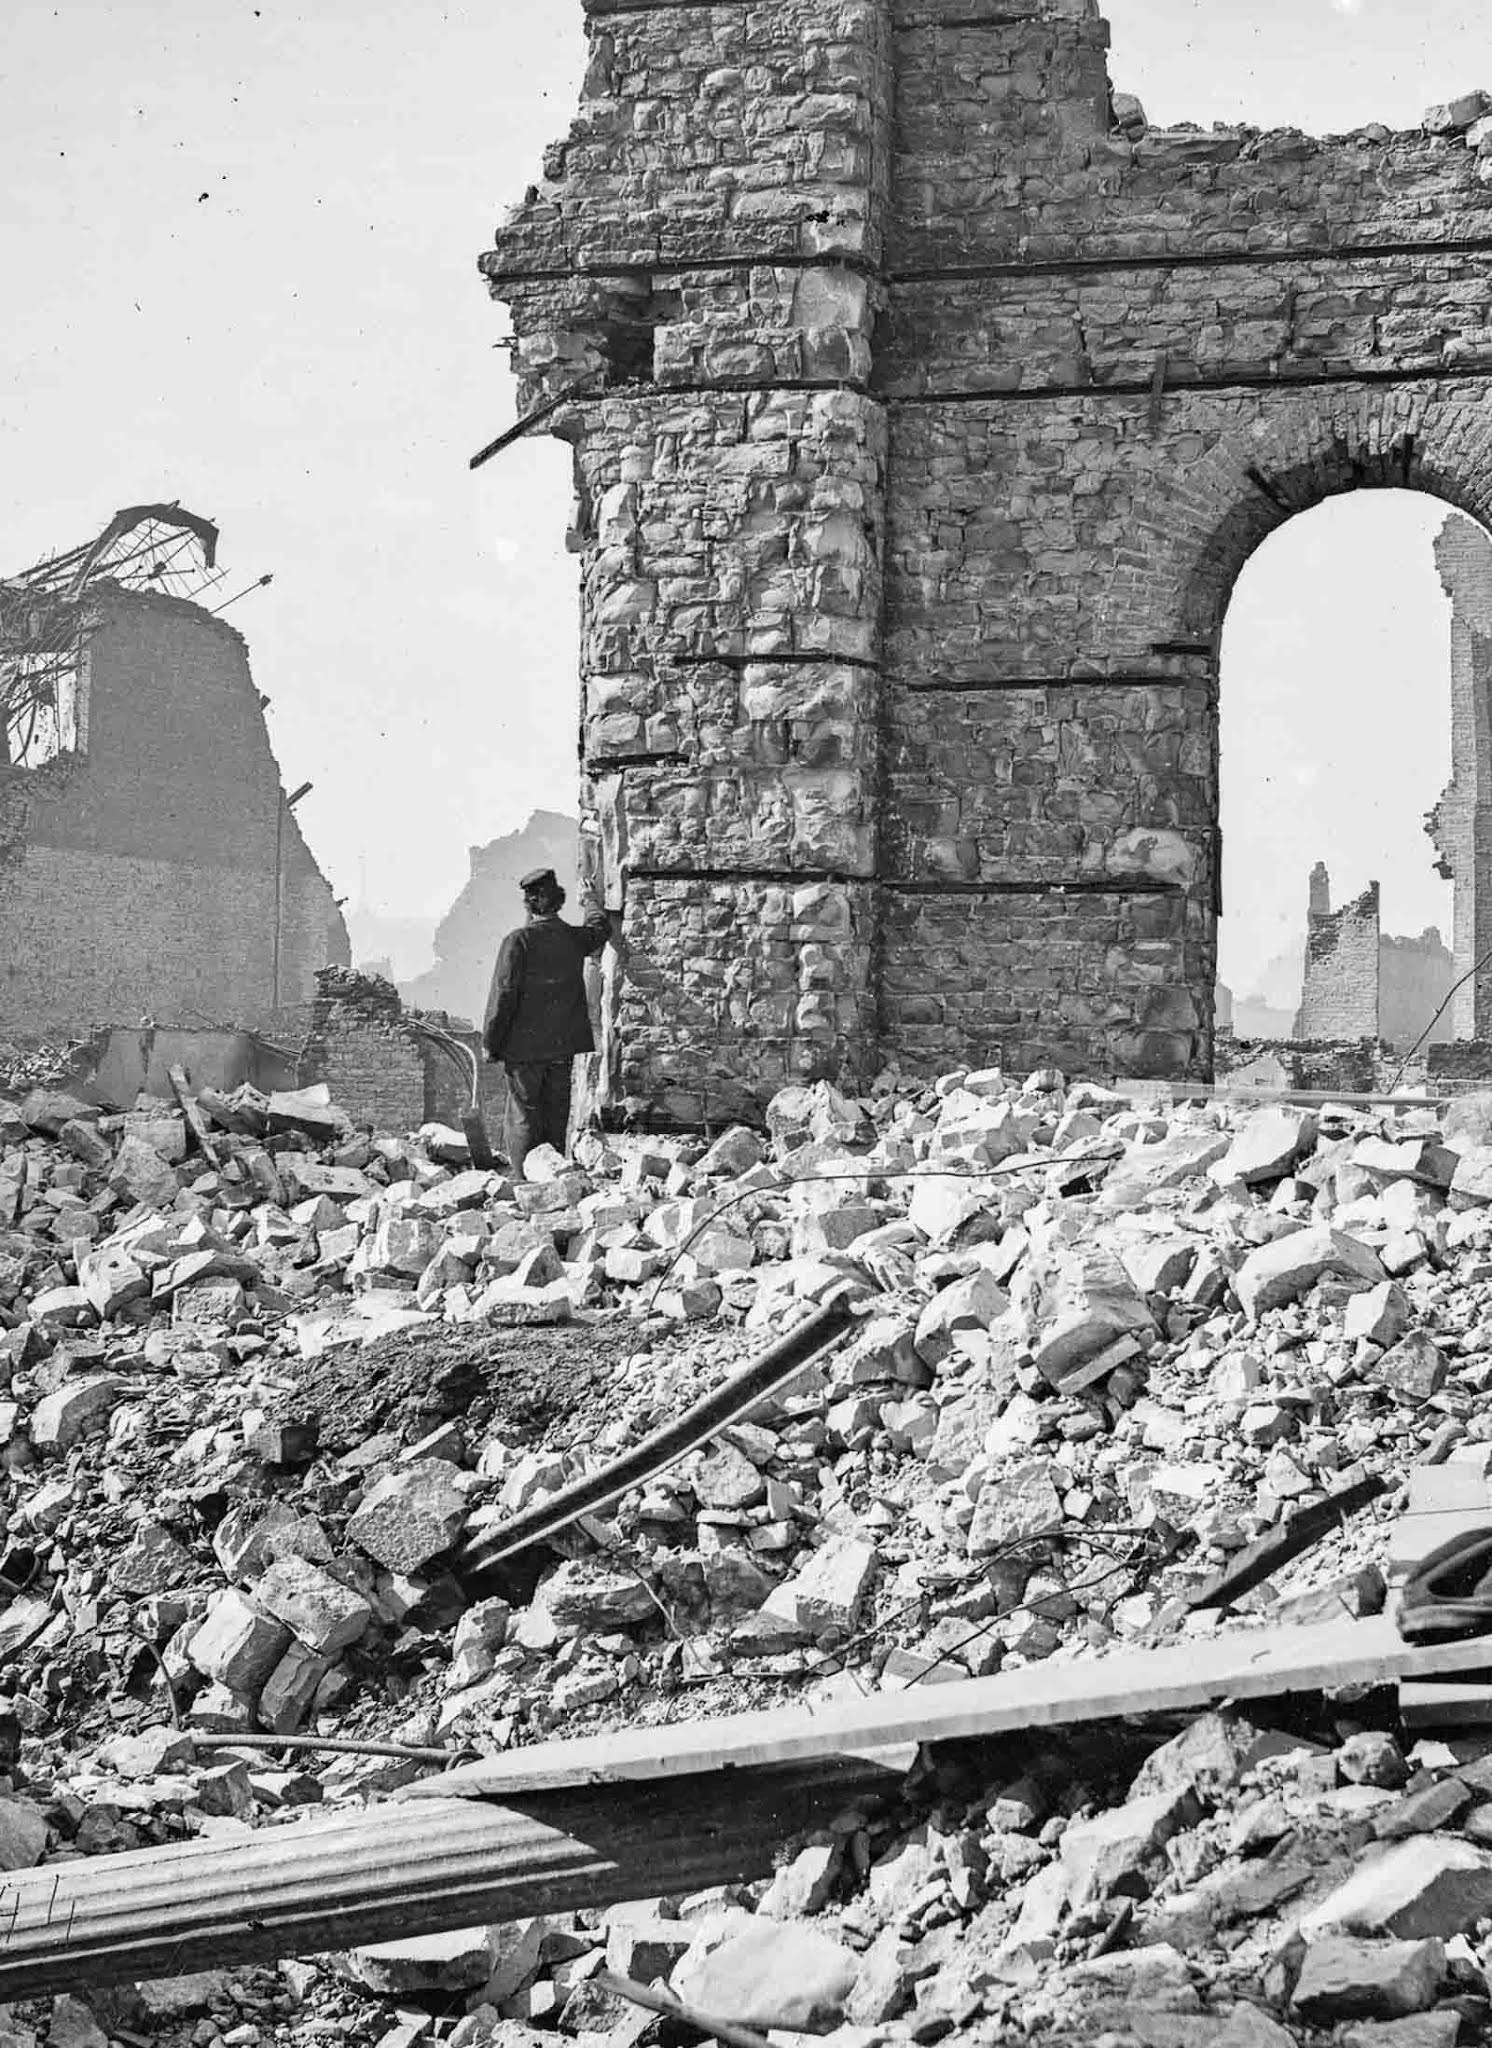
[1356, 672]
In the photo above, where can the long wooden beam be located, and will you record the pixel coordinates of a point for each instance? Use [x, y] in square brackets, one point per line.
[1177, 1092]
[1198, 1672]
[387, 1873]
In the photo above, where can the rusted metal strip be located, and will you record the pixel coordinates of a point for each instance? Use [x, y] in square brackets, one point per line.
[728, 1403]
[391, 1872]
[535, 418]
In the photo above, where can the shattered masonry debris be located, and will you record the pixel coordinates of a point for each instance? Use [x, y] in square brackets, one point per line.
[1102, 1343]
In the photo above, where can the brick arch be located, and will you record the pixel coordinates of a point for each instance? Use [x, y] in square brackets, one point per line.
[1283, 457]
[1290, 456]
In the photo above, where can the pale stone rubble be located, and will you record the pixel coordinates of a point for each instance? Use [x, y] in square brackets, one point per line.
[1080, 1313]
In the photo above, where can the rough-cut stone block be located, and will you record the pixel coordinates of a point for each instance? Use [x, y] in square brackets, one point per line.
[1266, 1144]
[1023, 1501]
[1380, 1315]
[1075, 1303]
[23, 1834]
[826, 1593]
[725, 1479]
[1285, 1269]
[60, 1420]
[110, 1278]
[645, 1948]
[410, 1516]
[1430, 1885]
[141, 1175]
[238, 1645]
[1413, 1370]
[325, 1615]
[290, 1689]
[584, 1597]
[771, 1975]
[972, 1303]
[1115, 1852]
[1342, 1979]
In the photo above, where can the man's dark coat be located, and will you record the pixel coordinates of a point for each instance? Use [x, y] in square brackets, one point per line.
[537, 1008]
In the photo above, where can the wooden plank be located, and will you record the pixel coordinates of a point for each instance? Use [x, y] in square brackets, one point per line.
[1445, 1706]
[389, 1873]
[1244, 1664]
[196, 1122]
[1187, 1091]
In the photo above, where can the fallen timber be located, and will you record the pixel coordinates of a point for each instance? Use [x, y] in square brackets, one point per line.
[1199, 1671]
[702, 1804]
[1206, 1091]
[761, 1376]
[387, 1873]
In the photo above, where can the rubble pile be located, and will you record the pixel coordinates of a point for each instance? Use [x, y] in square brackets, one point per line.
[23, 1067]
[1242, 1885]
[261, 1403]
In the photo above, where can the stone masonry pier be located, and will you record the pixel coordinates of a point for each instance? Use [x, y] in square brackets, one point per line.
[927, 404]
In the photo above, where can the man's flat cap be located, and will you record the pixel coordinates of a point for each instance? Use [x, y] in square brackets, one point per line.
[537, 878]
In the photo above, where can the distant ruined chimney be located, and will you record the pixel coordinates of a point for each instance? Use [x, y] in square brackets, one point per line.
[1340, 985]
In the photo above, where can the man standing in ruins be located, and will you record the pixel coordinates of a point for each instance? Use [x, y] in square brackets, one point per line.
[538, 1018]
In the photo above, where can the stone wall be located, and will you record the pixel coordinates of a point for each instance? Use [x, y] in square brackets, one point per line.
[925, 411]
[137, 877]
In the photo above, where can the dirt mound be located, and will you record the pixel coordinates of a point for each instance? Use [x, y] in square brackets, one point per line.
[524, 1384]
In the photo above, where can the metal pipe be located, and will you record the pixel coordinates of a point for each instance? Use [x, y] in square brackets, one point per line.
[757, 1379]
[393, 1872]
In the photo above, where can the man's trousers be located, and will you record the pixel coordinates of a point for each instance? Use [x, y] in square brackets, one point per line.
[538, 1111]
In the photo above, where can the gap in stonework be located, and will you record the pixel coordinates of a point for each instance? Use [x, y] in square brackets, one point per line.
[1335, 747]
[1327, 67]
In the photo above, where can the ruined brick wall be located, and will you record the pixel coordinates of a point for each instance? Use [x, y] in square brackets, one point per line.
[1468, 1059]
[138, 878]
[931, 416]
[375, 1068]
[1461, 823]
[1355, 1067]
[381, 1068]
[1340, 986]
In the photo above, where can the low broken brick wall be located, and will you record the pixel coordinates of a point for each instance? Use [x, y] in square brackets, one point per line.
[382, 1069]
[1467, 1059]
[1353, 1067]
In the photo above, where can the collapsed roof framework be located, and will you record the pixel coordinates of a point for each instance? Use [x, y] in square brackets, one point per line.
[47, 616]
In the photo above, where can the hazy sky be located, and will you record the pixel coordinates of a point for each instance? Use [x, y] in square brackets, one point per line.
[239, 244]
